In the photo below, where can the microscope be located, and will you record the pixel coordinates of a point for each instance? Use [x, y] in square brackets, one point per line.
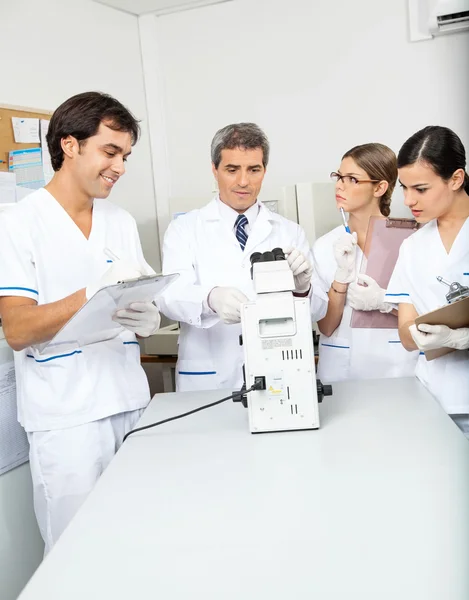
[278, 351]
[456, 290]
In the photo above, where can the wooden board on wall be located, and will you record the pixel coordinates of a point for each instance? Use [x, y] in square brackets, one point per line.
[7, 138]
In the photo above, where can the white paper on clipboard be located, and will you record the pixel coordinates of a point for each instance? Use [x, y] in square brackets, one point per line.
[93, 322]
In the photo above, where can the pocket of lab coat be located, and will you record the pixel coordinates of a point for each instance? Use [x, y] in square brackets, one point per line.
[334, 359]
[400, 362]
[54, 381]
[194, 375]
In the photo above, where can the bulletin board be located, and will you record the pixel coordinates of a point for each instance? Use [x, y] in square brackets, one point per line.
[7, 138]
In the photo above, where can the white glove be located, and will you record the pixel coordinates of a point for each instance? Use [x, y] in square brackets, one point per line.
[226, 302]
[433, 337]
[367, 297]
[142, 318]
[301, 268]
[120, 270]
[345, 252]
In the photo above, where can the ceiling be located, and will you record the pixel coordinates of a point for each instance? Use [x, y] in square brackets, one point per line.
[162, 7]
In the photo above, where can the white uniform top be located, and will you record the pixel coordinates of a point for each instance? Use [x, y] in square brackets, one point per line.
[202, 247]
[45, 256]
[352, 353]
[421, 259]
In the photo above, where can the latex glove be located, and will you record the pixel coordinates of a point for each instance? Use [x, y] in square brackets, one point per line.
[301, 268]
[226, 302]
[120, 270]
[345, 252]
[432, 337]
[367, 297]
[142, 318]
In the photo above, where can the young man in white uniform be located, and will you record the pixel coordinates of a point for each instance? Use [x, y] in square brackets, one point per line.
[75, 406]
[436, 187]
[211, 249]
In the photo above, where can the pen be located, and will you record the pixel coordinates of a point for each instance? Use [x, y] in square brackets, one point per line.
[347, 228]
[110, 254]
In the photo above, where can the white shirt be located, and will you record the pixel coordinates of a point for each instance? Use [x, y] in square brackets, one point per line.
[353, 353]
[421, 259]
[229, 215]
[46, 257]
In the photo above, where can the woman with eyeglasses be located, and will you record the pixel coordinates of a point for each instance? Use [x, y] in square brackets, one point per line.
[432, 172]
[364, 185]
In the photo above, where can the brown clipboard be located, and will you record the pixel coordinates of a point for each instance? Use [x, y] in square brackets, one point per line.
[382, 244]
[453, 315]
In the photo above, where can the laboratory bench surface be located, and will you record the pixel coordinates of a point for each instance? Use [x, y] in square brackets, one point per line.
[372, 506]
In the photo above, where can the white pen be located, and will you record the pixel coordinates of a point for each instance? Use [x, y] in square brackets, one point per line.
[110, 254]
[347, 228]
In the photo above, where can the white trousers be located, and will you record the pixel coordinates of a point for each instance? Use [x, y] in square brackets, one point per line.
[66, 464]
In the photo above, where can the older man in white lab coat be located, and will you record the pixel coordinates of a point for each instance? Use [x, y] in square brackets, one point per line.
[211, 249]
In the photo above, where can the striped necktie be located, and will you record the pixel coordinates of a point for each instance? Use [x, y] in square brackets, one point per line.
[241, 235]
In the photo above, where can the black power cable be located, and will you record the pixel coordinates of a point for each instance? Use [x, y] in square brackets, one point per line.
[256, 386]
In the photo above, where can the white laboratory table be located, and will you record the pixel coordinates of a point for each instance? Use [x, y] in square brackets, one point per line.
[373, 506]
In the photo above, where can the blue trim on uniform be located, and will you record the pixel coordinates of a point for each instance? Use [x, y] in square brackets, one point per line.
[334, 346]
[21, 289]
[421, 353]
[129, 343]
[43, 360]
[394, 342]
[109, 260]
[197, 372]
[465, 273]
[397, 294]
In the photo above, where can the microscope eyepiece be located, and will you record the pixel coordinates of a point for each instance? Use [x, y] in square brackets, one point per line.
[267, 257]
[278, 254]
[256, 257]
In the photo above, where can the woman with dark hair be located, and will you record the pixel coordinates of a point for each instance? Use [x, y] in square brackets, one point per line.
[432, 172]
[364, 185]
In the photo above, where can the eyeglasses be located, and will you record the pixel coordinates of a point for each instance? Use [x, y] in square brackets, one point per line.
[350, 180]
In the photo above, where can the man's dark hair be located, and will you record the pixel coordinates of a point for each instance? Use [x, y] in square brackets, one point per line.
[80, 117]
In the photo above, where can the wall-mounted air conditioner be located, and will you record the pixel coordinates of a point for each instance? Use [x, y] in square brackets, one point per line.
[429, 18]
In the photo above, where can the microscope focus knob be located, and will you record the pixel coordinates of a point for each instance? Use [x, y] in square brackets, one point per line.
[323, 390]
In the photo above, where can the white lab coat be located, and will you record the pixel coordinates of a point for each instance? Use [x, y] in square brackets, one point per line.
[351, 353]
[421, 259]
[44, 256]
[202, 247]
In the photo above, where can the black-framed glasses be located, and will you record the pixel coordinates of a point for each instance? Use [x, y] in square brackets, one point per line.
[350, 179]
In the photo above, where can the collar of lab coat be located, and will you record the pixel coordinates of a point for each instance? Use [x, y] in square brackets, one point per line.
[211, 212]
[261, 230]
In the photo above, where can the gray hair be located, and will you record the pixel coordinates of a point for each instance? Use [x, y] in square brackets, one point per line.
[240, 135]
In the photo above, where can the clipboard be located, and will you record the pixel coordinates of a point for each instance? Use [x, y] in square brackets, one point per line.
[93, 322]
[382, 244]
[453, 315]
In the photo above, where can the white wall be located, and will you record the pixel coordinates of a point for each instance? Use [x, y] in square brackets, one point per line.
[319, 77]
[56, 48]
[21, 547]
